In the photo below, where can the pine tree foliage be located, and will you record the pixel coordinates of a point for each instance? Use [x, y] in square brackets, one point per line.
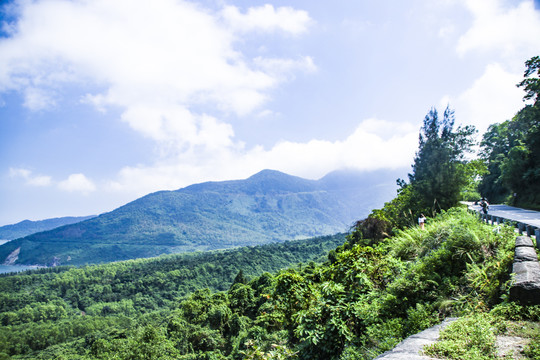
[440, 173]
[439, 169]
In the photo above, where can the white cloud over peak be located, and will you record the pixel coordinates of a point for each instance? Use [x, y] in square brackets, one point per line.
[368, 147]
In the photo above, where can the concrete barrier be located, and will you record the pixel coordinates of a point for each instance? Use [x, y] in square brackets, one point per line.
[526, 270]
[521, 228]
[530, 230]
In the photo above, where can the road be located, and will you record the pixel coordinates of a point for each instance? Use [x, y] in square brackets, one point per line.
[529, 217]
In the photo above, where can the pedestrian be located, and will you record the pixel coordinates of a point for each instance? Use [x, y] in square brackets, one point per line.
[485, 205]
[422, 221]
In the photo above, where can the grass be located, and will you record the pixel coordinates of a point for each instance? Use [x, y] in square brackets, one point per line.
[474, 337]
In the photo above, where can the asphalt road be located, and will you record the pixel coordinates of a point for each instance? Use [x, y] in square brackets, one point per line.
[528, 217]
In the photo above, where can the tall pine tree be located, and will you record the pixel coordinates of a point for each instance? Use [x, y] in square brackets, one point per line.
[439, 169]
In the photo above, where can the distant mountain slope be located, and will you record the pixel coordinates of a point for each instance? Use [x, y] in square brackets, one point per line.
[269, 206]
[27, 227]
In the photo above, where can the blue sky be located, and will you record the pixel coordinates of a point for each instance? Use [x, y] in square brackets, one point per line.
[104, 101]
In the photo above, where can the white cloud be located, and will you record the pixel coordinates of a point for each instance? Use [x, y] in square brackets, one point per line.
[268, 19]
[369, 147]
[512, 32]
[40, 180]
[493, 98]
[446, 31]
[285, 67]
[38, 99]
[508, 33]
[74, 183]
[157, 62]
[30, 179]
[19, 172]
[77, 183]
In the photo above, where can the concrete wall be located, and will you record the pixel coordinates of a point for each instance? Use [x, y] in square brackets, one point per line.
[526, 268]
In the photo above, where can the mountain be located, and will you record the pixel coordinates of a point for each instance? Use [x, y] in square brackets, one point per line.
[27, 227]
[267, 207]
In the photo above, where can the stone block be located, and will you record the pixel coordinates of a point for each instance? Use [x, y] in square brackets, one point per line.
[523, 241]
[526, 289]
[525, 253]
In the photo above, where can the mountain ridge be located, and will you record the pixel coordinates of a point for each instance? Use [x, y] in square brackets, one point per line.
[28, 227]
[266, 207]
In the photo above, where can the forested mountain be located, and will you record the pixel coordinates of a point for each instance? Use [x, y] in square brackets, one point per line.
[27, 227]
[269, 206]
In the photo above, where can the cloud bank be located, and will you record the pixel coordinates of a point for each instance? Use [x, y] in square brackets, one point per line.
[175, 72]
[160, 65]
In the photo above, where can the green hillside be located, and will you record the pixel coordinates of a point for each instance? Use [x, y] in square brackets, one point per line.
[269, 206]
[359, 303]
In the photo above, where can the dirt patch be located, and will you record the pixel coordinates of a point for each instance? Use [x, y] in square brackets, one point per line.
[10, 260]
[511, 347]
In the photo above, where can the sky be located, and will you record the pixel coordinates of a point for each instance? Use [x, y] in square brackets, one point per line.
[104, 101]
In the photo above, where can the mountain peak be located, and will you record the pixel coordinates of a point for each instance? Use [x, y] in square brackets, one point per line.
[269, 174]
[273, 181]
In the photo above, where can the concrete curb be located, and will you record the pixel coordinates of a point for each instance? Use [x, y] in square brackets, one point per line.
[411, 347]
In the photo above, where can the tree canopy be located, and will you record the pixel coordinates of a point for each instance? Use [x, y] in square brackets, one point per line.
[511, 150]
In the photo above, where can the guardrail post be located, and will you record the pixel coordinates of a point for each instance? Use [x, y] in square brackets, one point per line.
[530, 230]
[521, 228]
[537, 234]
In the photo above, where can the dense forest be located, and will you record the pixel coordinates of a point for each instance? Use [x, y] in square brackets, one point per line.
[345, 297]
[53, 305]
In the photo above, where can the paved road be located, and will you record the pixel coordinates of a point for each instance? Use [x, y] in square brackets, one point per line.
[528, 217]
